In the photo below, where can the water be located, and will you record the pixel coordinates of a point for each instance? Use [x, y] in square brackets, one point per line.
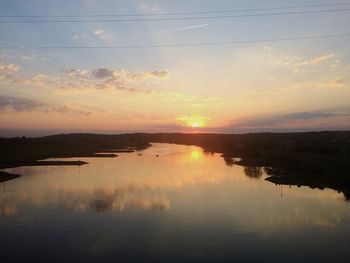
[185, 205]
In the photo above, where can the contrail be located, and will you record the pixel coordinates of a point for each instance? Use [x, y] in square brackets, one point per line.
[178, 29]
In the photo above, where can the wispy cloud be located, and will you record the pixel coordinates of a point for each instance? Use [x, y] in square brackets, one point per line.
[78, 73]
[268, 121]
[315, 60]
[298, 63]
[295, 120]
[22, 104]
[146, 7]
[178, 29]
[102, 34]
[83, 79]
[29, 57]
[70, 109]
[106, 78]
[107, 73]
[19, 104]
[9, 68]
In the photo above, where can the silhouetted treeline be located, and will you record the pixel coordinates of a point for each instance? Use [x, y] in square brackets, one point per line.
[310, 156]
[309, 152]
[314, 159]
[24, 151]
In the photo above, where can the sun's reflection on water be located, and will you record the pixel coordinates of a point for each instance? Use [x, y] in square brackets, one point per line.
[196, 155]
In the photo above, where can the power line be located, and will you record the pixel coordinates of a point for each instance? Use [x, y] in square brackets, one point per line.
[176, 18]
[182, 45]
[176, 13]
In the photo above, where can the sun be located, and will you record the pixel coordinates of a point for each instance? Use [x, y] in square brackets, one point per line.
[193, 121]
[196, 125]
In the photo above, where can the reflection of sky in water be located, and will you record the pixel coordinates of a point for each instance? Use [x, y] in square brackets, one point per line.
[194, 197]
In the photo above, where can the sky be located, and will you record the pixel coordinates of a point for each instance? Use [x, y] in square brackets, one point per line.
[281, 66]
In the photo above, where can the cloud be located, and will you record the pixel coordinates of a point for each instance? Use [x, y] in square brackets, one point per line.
[106, 73]
[269, 121]
[296, 61]
[316, 60]
[101, 78]
[19, 104]
[39, 80]
[96, 79]
[305, 115]
[106, 78]
[102, 34]
[68, 109]
[161, 75]
[78, 73]
[102, 73]
[4, 56]
[149, 8]
[30, 57]
[296, 120]
[9, 68]
[339, 82]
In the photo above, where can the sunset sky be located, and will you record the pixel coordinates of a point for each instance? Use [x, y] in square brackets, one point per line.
[161, 75]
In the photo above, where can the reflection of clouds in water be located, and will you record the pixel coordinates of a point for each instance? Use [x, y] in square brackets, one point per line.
[133, 182]
[103, 202]
[99, 200]
[116, 191]
[128, 192]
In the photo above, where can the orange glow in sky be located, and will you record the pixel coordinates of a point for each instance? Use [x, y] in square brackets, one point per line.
[159, 83]
[193, 121]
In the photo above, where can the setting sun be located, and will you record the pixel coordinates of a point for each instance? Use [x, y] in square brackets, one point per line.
[193, 121]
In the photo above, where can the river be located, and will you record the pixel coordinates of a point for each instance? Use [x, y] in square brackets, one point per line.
[168, 203]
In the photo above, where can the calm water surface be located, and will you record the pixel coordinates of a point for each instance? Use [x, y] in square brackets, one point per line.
[185, 205]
